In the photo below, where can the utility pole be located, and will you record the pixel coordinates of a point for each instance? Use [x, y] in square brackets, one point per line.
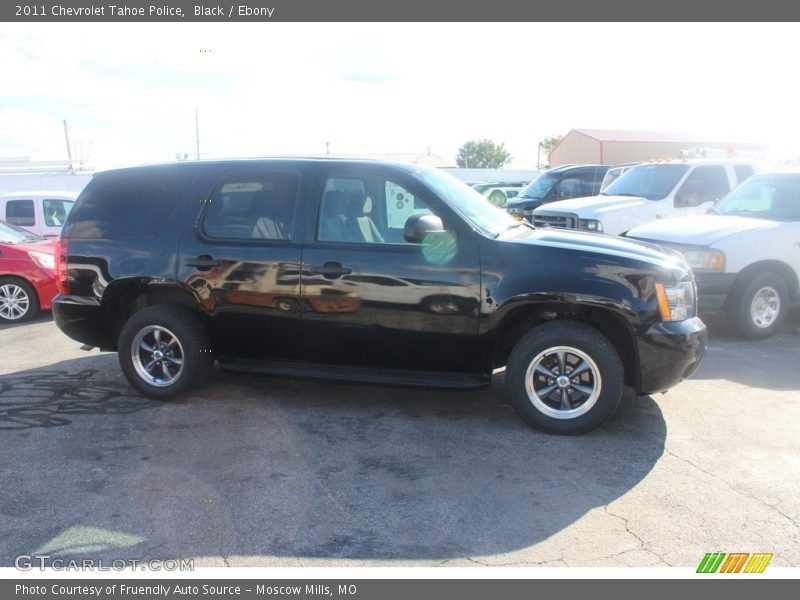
[197, 132]
[66, 137]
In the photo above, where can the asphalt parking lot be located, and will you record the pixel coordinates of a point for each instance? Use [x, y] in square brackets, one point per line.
[281, 472]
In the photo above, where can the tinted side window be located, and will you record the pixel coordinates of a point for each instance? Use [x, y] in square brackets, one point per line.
[20, 213]
[705, 184]
[742, 172]
[56, 211]
[366, 209]
[127, 205]
[252, 205]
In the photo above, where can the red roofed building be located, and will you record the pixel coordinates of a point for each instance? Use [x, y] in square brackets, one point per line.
[612, 147]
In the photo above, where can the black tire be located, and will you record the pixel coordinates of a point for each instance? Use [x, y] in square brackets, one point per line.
[19, 301]
[544, 409]
[760, 318]
[165, 379]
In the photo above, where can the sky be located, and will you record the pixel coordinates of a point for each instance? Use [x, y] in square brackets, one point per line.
[129, 91]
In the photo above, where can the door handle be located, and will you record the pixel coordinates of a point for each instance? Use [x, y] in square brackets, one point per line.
[203, 262]
[331, 270]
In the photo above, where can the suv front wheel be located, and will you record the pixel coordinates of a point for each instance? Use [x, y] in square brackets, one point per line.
[564, 377]
[163, 351]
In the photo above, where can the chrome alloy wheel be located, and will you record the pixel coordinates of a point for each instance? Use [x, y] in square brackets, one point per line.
[765, 307]
[563, 382]
[157, 355]
[14, 302]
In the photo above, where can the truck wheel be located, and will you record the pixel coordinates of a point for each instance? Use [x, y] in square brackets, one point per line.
[18, 300]
[564, 377]
[760, 308]
[163, 351]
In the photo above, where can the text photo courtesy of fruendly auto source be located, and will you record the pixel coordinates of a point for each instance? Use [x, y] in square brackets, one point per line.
[368, 305]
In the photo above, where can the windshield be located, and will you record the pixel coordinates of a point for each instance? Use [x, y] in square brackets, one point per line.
[653, 182]
[11, 234]
[775, 197]
[539, 188]
[471, 205]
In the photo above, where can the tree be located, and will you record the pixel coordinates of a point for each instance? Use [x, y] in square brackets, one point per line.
[482, 154]
[546, 146]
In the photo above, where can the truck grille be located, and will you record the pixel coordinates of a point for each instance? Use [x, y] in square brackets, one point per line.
[560, 221]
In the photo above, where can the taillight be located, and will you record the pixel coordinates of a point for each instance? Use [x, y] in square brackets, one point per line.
[62, 274]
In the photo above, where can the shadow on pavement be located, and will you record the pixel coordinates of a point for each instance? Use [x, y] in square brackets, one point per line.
[252, 466]
[768, 364]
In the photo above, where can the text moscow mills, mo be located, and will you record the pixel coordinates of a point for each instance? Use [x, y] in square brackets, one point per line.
[237, 11]
[189, 590]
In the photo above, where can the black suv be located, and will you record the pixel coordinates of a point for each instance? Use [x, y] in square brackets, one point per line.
[559, 183]
[372, 271]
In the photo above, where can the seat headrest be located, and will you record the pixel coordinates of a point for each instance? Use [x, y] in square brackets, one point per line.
[335, 202]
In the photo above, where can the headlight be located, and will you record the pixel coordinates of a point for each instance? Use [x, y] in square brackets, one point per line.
[590, 225]
[705, 260]
[44, 260]
[676, 301]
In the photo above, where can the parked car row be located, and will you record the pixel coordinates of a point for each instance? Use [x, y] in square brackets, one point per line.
[648, 192]
[741, 240]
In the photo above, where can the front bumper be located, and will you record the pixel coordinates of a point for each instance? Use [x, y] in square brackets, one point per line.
[713, 290]
[81, 318]
[670, 353]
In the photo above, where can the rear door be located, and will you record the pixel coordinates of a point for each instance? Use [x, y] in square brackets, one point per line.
[242, 260]
[369, 297]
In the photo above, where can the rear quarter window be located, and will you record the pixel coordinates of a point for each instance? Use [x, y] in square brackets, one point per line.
[127, 205]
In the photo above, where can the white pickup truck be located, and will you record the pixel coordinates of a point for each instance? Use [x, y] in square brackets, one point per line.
[648, 192]
[745, 254]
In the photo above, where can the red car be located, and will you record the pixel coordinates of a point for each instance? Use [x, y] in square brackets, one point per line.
[27, 274]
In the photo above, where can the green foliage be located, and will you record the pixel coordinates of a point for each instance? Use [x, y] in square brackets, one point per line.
[482, 154]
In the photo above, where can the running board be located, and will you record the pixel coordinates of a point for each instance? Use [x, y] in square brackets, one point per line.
[363, 375]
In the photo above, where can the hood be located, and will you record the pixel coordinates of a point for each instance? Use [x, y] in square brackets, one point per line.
[700, 230]
[21, 250]
[516, 201]
[46, 246]
[608, 245]
[598, 204]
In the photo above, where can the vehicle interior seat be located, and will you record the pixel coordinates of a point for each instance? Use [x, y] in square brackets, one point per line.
[359, 225]
[267, 226]
[334, 217]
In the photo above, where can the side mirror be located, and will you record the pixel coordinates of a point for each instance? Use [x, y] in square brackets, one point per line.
[417, 227]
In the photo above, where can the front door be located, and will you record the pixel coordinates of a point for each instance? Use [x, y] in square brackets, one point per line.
[369, 297]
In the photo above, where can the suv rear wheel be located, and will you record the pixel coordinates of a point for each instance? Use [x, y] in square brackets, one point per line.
[18, 300]
[564, 377]
[164, 351]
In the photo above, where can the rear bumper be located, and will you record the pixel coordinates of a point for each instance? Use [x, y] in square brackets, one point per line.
[669, 353]
[81, 318]
[713, 290]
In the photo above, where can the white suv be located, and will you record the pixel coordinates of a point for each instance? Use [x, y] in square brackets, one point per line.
[647, 192]
[745, 254]
[42, 213]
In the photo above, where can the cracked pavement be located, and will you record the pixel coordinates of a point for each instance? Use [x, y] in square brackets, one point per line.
[280, 472]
